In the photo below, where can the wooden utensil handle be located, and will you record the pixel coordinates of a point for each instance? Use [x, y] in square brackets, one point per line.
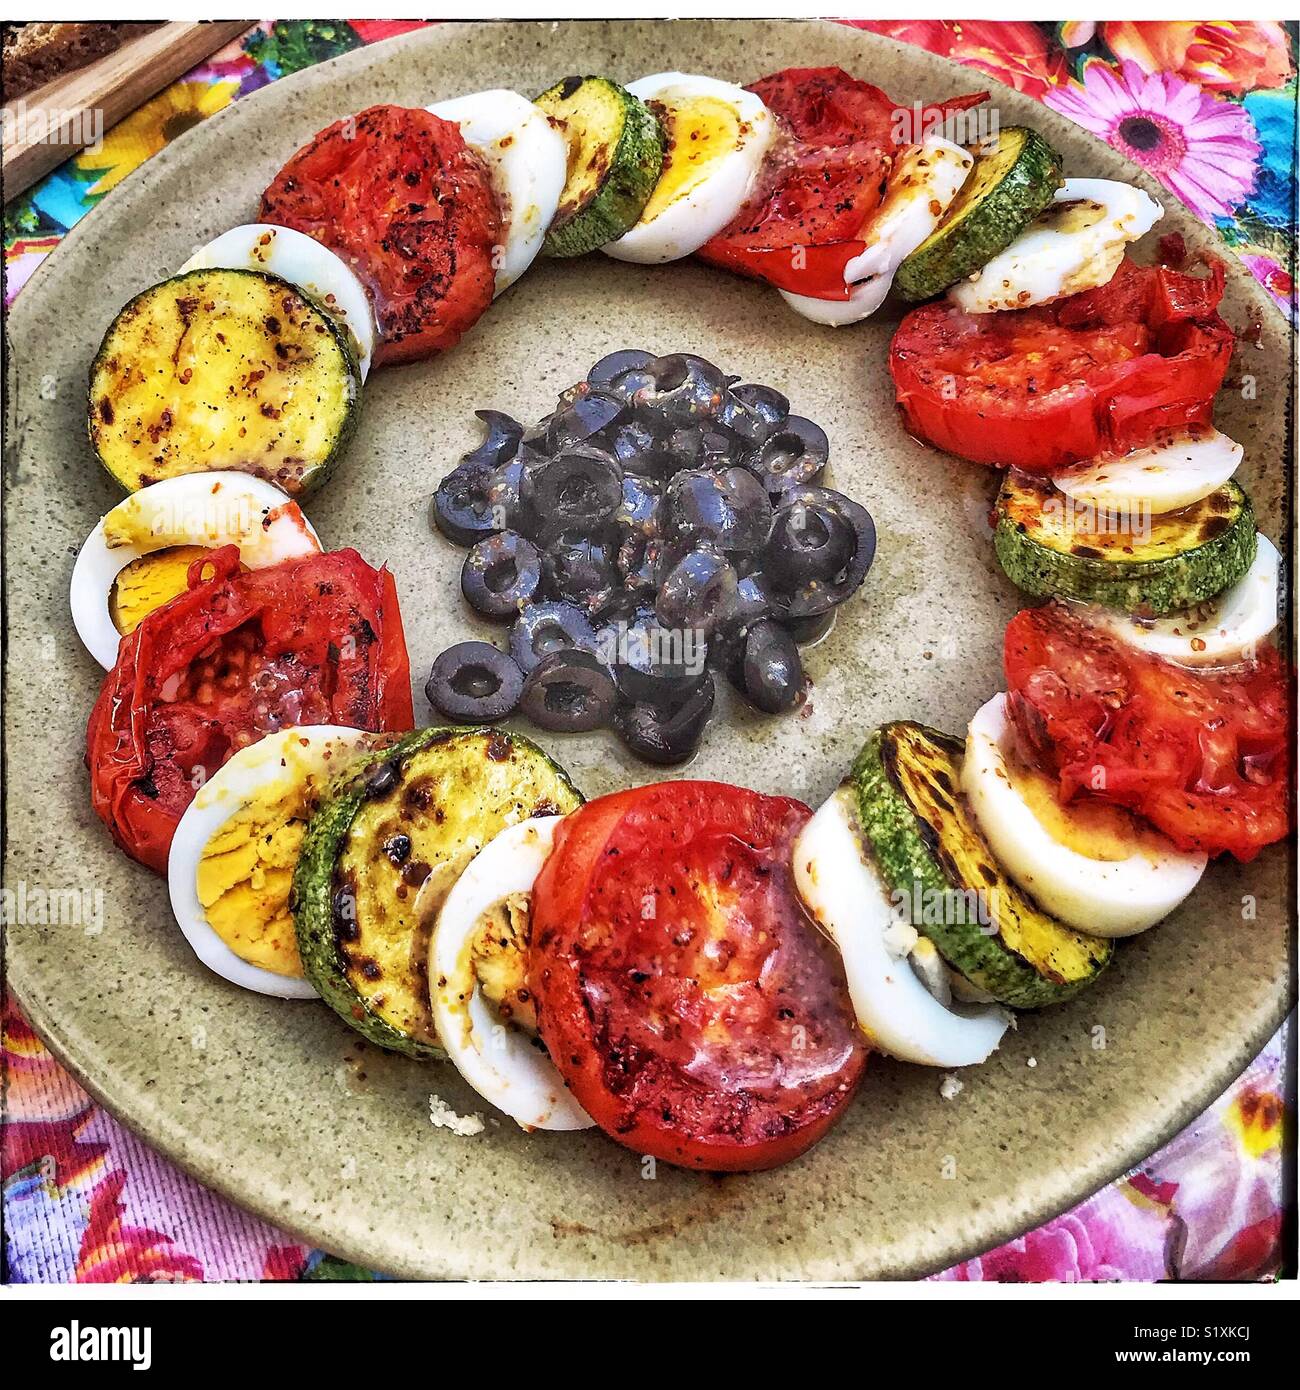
[51, 124]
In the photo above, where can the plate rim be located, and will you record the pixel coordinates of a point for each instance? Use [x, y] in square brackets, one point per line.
[189, 1151]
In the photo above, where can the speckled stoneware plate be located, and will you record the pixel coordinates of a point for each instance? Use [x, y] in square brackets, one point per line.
[278, 1105]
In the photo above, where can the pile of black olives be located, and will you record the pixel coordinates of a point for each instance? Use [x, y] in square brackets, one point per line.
[665, 521]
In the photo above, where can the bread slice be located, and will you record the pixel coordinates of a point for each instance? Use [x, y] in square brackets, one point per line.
[37, 53]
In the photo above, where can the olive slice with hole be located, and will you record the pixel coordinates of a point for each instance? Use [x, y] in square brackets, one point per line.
[543, 628]
[500, 443]
[667, 734]
[569, 692]
[474, 683]
[792, 455]
[501, 574]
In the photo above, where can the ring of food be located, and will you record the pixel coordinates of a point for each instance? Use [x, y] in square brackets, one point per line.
[696, 969]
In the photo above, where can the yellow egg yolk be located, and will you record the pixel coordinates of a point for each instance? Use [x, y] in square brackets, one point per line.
[1087, 825]
[148, 583]
[700, 131]
[245, 873]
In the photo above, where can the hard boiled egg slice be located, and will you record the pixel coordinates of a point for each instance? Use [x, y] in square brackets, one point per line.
[497, 1057]
[1095, 866]
[1163, 477]
[302, 261]
[1226, 630]
[924, 182]
[233, 855]
[137, 557]
[1076, 244]
[527, 160]
[844, 895]
[717, 134]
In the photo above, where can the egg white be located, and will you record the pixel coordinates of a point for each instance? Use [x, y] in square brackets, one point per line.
[1103, 898]
[501, 1063]
[1161, 477]
[207, 509]
[895, 1008]
[318, 750]
[925, 180]
[528, 162]
[303, 261]
[704, 205]
[1052, 258]
[1225, 630]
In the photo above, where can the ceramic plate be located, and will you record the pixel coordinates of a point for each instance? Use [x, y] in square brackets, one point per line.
[278, 1105]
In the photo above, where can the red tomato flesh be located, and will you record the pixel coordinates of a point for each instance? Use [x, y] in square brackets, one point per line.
[823, 180]
[693, 1010]
[409, 206]
[1203, 755]
[312, 641]
[1097, 373]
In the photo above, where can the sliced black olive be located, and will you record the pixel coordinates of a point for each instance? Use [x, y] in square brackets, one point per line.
[751, 601]
[684, 390]
[474, 683]
[580, 568]
[769, 668]
[569, 692]
[633, 440]
[811, 629]
[462, 508]
[501, 574]
[640, 561]
[754, 412]
[698, 593]
[820, 595]
[535, 436]
[501, 441]
[588, 415]
[504, 493]
[581, 488]
[728, 507]
[653, 662]
[638, 512]
[795, 454]
[811, 539]
[667, 734]
[611, 373]
[543, 628]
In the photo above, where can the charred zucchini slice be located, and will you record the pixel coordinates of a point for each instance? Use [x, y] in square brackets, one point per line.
[1163, 564]
[927, 843]
[615, 156]
[386, 847]
[1008, 187]
[223, 369]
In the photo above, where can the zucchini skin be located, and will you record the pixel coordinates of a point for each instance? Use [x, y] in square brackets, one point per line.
[909, 866]
[1024, 191]
[313, 890]
[634, 169]
[1154, 588]
[315, 475]
[312, 901]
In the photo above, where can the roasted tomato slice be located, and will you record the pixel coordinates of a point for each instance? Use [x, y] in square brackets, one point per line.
[691, 1007]
[238, 655]
[1202, 755]
[823, 181]
[1097, 373]
[401, 197]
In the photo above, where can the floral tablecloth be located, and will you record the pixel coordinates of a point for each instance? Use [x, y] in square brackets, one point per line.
[1209, 109]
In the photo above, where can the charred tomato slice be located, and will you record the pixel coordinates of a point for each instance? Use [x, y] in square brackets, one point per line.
[691, 1007]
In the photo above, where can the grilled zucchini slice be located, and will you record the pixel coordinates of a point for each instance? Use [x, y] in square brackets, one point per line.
[927, 843]
[1004, 192]
[1172, 561]
[616, 154]
[220, 369]
[386, 847]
